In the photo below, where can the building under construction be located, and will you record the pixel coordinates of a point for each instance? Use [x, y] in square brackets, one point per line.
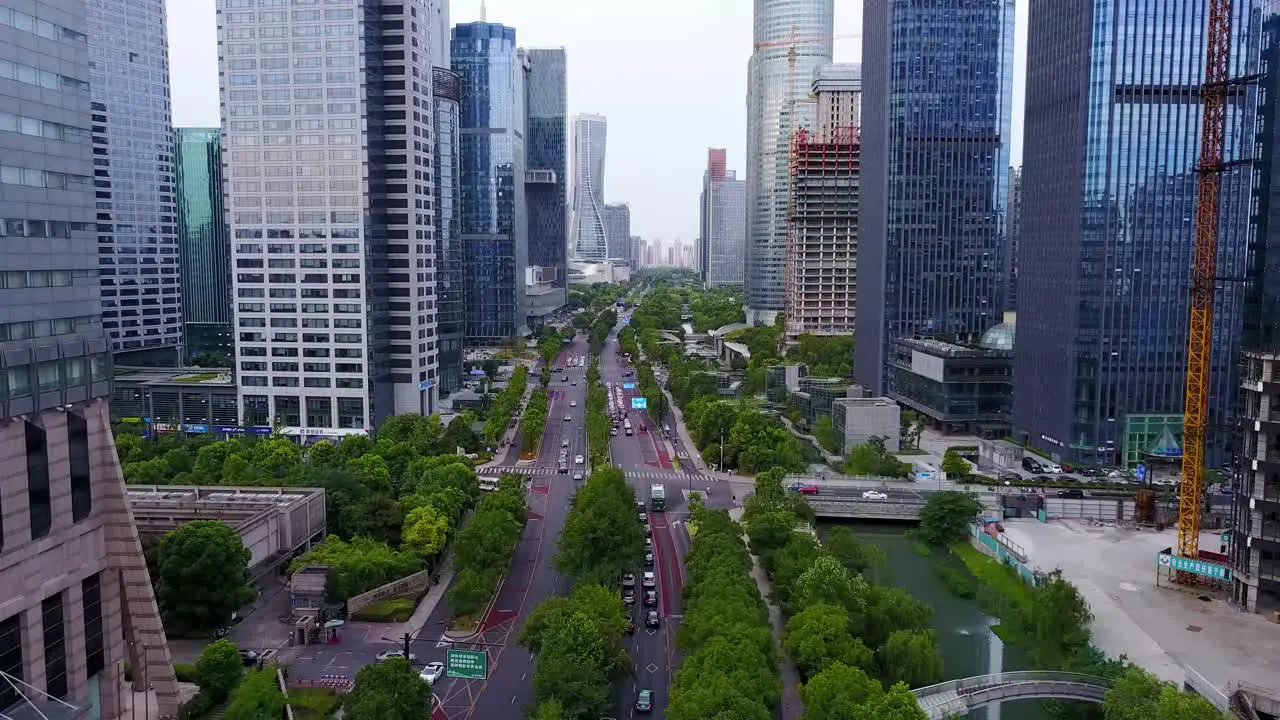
[822, 210]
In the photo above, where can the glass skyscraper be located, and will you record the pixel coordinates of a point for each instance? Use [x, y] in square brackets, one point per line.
[617, 230]
[546, 131]
[134, 178]
[493, 221]
[777, 104]
[722, 223]
[587, 232]
[937, 95]
[204, 242]
[1112, 143]
[450, 255]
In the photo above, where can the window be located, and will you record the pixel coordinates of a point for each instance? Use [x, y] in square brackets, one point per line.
[10, 659]
[94, 650]
[55, 649]
[78, 453]
[38, 482]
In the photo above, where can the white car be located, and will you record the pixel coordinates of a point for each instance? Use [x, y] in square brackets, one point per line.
[432, 672]
[573, 403]
[577, 459]
[1054, 468]
[392, 654]
[874, 495]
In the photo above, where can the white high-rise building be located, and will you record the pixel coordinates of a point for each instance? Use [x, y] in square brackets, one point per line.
[587, 234]
[329, 191]
[777, 103]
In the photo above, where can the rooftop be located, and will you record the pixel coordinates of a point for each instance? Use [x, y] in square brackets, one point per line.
[160, 508]
[182, 376]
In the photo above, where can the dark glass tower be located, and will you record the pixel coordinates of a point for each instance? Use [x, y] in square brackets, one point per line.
[492, 220]
[1112, 142]
[450, 258]
[547, 110]
[203, 241]
[937, 95]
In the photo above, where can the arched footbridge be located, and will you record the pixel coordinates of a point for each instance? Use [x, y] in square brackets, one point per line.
[958, 697]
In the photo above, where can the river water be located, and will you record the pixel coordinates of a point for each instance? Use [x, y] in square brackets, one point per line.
[968, 646]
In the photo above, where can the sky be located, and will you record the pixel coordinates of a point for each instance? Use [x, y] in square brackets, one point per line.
[670, 76]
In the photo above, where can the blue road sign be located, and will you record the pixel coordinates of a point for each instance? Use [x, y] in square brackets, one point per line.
[639, 403]
[1197, 567]
[1140, 472]
[628, 386]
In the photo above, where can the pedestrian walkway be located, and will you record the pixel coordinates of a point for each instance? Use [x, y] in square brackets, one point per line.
[428, 604]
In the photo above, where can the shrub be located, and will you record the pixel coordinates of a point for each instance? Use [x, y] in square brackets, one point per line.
[395, 610]
[185, 672]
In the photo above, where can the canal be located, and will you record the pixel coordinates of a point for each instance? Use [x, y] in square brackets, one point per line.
[969, 647]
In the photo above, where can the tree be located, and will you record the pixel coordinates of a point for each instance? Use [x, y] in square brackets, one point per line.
[954, 465]
[357, 566]
[855, 556]
[946, 516]
[373, 472]
[826, 434]
[219, 669]
[912, 426]
[376, 516]
[896, 704]
[203, 578]
[827, 581]
[257, 698]
[601, 538]
[388, 690]
[1055, 622]
[837, 692]
[470, 591]
[425, 531]
[1138, 695]
[912, 657]
[819, 635]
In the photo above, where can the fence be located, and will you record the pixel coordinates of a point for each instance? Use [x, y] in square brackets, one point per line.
[405, 586]
[996, 548]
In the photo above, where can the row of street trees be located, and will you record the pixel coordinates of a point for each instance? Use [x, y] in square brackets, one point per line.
[504, 406]
[534, 420]
[858, 646]
[600, 328]
[485, 545]
[598, 422]
[578, 639]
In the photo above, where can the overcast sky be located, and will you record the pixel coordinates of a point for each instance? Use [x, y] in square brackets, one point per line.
[670, 76]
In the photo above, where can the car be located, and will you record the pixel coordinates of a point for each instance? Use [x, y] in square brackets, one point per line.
[1071, 493]
[393, 654]
[643, 516]
[613, 432]
[574, 383]
[644, 701]
[432, 672]
[578, 476]
[648, 530]
[1054, 468]
[650, 598]
[567, 418]
[1010, 477]
[628, 580]
[648, 580]
[807, 489]
[564, 379]
[577, 459]
[631, 627]
[648, 559]
[874, 495]
[643, 427]
[564, 443]
[1030, 465]
[249, 657]
[563, 469]
[652, 619]
[627, 373]
[573, 403]
[639, 506]
[628, 597]
[648, 544]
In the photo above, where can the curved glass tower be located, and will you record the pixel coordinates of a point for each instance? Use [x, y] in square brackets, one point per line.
[777, 104]
[587, 233]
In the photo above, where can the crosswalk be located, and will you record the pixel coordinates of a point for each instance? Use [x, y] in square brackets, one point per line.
[631, 474]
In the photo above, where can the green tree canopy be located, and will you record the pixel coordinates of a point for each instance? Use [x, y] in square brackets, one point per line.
[912, 657]
[258, 697]
[203, 578]
[388, 690]
[356, 566]
[425, 531]
[219, 669]
[819, 636]
[601, 538]
[946, 516]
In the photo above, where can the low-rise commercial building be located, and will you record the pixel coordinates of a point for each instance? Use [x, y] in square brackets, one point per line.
[856, 420]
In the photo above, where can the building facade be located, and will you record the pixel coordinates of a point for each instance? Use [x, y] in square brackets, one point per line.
[1014, 222]
[204, 243]
[1255, 540]
[70, 561]
[937, 80]
[586, 230]
[617, 231]
[328, 208]
[1105, 270]
[446, 90]
[777, 105]
[960, 388]
[822, 211]
[722, 224]
[137, 217]
[493, 225]
[547, 176]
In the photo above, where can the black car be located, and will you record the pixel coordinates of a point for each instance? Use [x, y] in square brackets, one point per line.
[1031, 465]
[1010, 477]
[1070, 493]
[651, 619]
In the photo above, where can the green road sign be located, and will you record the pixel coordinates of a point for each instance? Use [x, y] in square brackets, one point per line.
[467, 664]
[1198, 567]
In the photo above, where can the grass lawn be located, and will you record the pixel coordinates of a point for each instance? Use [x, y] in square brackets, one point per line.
[392, 610]
[311, 703]
[993, 574]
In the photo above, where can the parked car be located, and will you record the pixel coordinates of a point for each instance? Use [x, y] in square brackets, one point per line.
[564, 443]
[628, 580]
[628, 597]
[648, 580]
[1030, 465]
[643, 516]
[648, 559]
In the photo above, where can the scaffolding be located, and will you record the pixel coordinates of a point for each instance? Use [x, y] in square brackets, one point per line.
[822, 232]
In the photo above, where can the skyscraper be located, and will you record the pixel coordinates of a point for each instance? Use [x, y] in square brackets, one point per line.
[617, 230]
[777, 104]
[328, 200]
[1104, 271]
[446, 89]
[1014, 222]
[546, 192]
[494, 226]
[722, 224]
[822, 211]
[937, 79]
[71, 565]
[204, 243]
[586, 230]
[134, 177]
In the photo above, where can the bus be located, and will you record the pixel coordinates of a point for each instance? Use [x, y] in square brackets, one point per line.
[487, 484]
[657, 497]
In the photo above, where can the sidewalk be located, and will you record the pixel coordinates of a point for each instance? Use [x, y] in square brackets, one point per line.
[792, 705]
[428, 603]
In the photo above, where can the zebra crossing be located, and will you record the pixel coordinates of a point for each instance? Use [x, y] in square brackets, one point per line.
[631, 474]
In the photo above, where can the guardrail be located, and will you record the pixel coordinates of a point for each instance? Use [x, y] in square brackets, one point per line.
[891, 509]
[407, 585]
[959, 696]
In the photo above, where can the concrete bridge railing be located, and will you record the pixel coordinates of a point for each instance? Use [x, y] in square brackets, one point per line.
[892, 509]
[958, 697]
